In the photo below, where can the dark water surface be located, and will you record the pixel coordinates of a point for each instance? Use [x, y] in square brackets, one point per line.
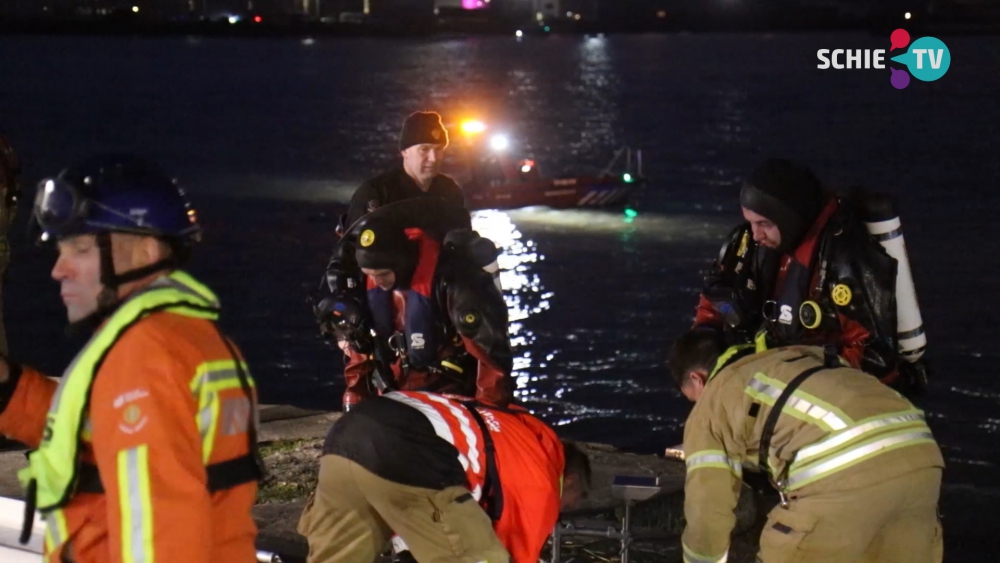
[271, 136]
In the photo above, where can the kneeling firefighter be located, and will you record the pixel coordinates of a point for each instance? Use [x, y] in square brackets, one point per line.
[856, 466]
[146, 450]
[456, 479]
[416, 313]
[808, 267]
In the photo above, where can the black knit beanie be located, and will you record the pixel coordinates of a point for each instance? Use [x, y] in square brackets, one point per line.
[423, 127]
[786, 193]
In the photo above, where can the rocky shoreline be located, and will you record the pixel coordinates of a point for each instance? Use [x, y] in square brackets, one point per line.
[292, 447]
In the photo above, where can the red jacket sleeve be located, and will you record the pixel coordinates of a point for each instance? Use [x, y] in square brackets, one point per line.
[532, 493]
[493, 386]
[852, 341]
[149, 453]
[24, 418]
[358, 371]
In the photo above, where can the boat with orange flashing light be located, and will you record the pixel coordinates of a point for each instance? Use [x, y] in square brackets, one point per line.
[493, 178]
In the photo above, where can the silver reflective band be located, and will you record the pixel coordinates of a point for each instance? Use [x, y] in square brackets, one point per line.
[801, 405]
[135, 524]
[855, 454]
[853, 433]
[692, 557]
[205, 416]
[704, 459]
[52, 528]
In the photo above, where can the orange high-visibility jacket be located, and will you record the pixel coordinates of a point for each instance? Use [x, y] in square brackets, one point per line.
[163, 390]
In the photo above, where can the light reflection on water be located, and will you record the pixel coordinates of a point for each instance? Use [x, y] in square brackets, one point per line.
[522, 287]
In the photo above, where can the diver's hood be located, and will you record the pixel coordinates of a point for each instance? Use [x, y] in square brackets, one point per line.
[787, 194]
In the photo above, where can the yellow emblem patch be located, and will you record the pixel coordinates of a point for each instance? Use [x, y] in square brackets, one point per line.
[367, 238]
[841, 295]
[132, 414]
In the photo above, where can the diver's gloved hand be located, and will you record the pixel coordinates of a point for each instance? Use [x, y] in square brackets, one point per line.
[339, 313]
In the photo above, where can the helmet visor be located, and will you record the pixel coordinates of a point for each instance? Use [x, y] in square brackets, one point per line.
[58, 208]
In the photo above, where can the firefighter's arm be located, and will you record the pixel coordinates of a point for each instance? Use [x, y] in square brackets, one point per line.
[25, 397]
[712, 488]
[525, 534]
[149, 453]
[479, 313]
[537, 504]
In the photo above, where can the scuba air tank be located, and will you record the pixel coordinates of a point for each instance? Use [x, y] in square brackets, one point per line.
[883, 223]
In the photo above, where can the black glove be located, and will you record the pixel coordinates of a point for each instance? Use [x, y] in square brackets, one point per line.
[913, 378]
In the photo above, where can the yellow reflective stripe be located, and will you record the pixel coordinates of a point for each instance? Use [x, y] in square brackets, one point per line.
[864, 428]
[197, 313]
[135, 502]
[183, 281]
[800, 405]
[714, 458]
[219, 375]
[725, 357]
[692, 556]
[208, 423]
[210, 379]
[862, 452]
[55, 530]
[760, 341]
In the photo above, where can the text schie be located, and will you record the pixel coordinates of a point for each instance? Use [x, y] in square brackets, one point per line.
[855, 58]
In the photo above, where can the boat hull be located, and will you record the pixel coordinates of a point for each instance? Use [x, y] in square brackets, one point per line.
[561, 193]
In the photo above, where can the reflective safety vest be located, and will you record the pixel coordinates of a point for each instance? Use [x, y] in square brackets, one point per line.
[454, 423]
[56, 473]
[508, 445]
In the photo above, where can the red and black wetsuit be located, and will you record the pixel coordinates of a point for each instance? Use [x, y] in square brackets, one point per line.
[837, 266]
[453, 320]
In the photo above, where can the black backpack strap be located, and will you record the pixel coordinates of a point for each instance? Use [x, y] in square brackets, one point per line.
[492, 497]
[233, 472]
[221, 476]
[772, 417]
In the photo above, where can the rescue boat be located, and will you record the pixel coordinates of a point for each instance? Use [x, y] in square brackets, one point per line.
[492, 178]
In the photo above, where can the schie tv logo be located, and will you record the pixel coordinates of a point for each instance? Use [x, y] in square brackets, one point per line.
[927, 59]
